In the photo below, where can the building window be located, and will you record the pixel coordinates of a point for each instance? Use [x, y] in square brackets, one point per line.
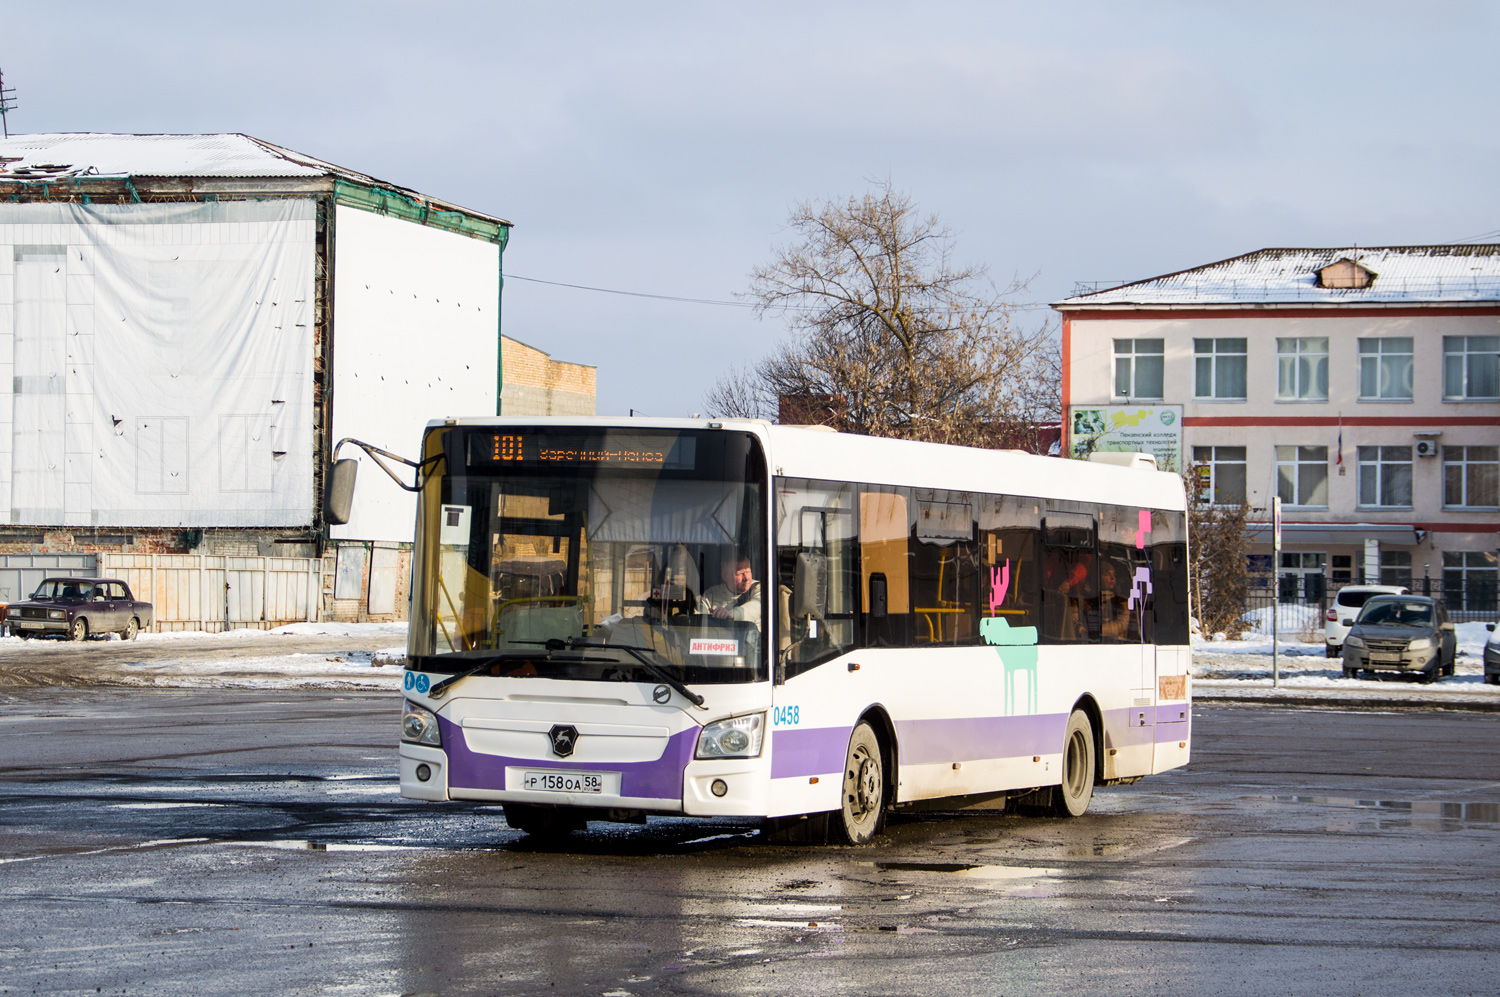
[1302, 369]
[1471, 580]
[1471, 368]
[1220, 473]
[1385, 369]
[1302, 476]
[1138, 368]
[1302, 578]
[1384, 476]
[1471, 477]
[1343, 568]
[1219, 366]
[1395, 567]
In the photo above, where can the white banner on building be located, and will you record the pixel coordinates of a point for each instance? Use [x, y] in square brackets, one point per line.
[1152, 429]
[157, 364]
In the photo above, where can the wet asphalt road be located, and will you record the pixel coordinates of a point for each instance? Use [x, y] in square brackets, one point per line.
[160, 842]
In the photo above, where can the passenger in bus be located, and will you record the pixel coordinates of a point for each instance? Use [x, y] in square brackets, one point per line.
[1067, 582]
[1114, 604]
[738, 598]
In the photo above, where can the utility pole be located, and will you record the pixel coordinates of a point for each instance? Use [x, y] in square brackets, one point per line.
[7, 104]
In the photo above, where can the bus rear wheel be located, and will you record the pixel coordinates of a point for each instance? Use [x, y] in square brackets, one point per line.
[863, 809]
[1072, 798]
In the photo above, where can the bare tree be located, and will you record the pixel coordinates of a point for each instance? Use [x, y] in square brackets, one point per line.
[890, 337]
[739, 394]
[1216, 570]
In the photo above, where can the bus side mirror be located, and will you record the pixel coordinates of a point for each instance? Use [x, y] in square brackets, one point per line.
[877, 595]
[810, 585]
[338, 491]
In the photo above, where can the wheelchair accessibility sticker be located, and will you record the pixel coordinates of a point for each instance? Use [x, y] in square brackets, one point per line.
[417, 681]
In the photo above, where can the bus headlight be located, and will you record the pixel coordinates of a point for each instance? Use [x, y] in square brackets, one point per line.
[737, 737]
[419, 726]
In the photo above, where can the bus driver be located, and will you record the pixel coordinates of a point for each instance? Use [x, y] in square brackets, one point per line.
[739, 597]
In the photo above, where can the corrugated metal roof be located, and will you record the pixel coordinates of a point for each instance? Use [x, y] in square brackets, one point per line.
[83, 154]
[1404, 274]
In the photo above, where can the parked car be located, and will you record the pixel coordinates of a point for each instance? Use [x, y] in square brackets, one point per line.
[1346, 606]
[1401, 633]
[77, 608]
[1492, 656]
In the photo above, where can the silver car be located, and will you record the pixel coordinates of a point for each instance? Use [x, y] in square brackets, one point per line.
[1401, 633]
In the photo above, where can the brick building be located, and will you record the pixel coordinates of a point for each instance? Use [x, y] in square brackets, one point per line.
[535, 384]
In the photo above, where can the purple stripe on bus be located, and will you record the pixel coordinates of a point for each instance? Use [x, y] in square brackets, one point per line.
[1175, 731]
[928, 742]
[658, 780]
[1173, 713]
[808, 751]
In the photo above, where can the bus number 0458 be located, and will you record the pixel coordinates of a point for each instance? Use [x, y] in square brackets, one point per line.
[785, 716]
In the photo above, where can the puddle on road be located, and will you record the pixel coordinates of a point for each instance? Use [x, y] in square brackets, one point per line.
[304, 845]
[1484, 813]
[968, 870]
[164, 805]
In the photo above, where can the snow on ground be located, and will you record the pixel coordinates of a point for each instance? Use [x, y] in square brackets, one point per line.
[1241, 669]
[1471, 639]
[348, 670]
[374, 655]
[301, 655]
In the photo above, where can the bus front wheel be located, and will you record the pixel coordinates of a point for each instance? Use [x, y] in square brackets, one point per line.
[1072, 798]
[864, 788]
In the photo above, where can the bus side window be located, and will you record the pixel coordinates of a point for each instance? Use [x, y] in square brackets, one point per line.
[816, 572]
[1169, 577]
[1010, 569]
[1070, 579]
[944, 561]
[884, 528]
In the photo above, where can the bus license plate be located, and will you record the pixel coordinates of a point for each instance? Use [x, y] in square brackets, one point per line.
[563, 782]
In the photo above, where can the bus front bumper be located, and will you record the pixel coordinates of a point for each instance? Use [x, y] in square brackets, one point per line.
[672, 784]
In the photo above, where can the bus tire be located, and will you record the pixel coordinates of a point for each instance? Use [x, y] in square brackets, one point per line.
[544, 822]
[863, 798]
[1072, 798]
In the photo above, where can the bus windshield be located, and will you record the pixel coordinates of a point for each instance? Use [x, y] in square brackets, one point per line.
[592, 553]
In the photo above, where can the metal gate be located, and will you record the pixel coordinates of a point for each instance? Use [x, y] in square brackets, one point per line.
[215, 593]
[20, 574]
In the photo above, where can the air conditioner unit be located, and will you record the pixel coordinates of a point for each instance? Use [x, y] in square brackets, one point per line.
[1427, 448]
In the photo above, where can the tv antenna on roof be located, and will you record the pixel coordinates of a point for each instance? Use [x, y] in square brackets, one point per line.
[7, 104]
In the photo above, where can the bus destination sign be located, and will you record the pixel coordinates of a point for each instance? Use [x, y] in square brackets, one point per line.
[540, 449]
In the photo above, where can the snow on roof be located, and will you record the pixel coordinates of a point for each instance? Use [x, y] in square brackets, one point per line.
[1404, 274]
[99, 156]
[58, 155]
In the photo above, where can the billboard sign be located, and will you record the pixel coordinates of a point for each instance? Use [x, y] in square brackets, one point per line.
[1152, 429]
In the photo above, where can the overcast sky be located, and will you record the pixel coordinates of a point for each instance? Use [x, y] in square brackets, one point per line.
[657, 147]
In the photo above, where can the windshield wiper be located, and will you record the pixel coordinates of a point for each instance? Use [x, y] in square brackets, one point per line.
[438, 688]
[554, 645]
[639, 653]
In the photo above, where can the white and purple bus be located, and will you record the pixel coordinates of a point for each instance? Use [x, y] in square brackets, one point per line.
[620, 618]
